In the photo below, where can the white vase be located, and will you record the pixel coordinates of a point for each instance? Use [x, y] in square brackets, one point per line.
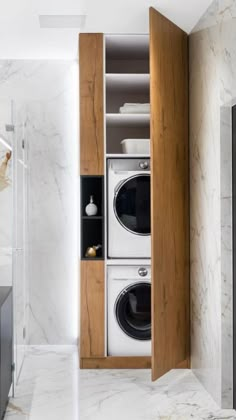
[91, 209]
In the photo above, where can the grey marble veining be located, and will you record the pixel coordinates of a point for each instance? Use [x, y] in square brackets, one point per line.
[46, 96]
[226, 258]
[209, 18]
[51, 387]
[205, 210]
[212, 94]
[130, 395]
[48, 385]
[218, 12]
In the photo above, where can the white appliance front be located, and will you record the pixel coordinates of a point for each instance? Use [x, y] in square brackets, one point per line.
[129, 311]
[129, 223]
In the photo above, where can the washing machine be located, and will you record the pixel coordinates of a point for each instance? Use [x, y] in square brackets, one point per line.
[129, 311]
[129, 224]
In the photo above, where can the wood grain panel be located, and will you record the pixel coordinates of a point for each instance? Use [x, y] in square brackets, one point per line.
[92, 324]
[122, 363]
[91, 104]
[170, 194]
[117, 363]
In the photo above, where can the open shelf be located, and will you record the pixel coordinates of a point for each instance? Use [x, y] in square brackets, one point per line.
[92, 259]
[127, 53]
[135, 120]
[126, 155]
[92, 227]
[114, 136]
[128, 81]
[123, 88]
[127, 46]
[92, 234]
[91, 185]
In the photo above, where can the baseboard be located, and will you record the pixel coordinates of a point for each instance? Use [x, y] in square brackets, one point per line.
[116, 363]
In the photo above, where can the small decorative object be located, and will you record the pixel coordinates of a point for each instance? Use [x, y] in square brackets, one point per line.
[91, 209]
[92, 251]
[4, 181]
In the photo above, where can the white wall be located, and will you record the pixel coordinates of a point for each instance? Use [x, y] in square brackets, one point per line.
[46, 95]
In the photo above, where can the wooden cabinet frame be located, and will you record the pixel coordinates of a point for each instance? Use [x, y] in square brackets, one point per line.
[91, 104]
[169, 195]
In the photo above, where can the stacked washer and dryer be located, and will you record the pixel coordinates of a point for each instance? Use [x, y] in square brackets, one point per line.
[129, 242]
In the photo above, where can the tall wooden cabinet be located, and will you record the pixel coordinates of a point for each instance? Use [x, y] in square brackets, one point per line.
[92, 272]
[168, 66]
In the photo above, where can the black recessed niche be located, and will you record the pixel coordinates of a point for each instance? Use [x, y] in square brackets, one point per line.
[92, 227]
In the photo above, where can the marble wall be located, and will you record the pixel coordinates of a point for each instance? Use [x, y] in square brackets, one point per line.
[6, 203]
[46, 96]
[212, 94]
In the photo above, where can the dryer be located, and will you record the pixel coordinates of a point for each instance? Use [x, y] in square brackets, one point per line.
[129, 311]
[129, 225]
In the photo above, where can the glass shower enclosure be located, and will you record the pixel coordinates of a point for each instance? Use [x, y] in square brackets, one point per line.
[14, 221]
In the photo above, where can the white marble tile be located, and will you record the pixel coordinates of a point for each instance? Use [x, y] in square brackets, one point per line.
[218, 12]
[51, 130]
[48, 385]
[226, 258]
[205, 214]
[130, 395]
[209, 18]
[46, 95]
[51, 387]
[213, 92]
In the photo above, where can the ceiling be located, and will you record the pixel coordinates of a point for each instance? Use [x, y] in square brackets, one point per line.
[22, 37]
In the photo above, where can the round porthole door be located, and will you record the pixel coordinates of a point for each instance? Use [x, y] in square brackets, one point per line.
[133, 311]
[132, 204]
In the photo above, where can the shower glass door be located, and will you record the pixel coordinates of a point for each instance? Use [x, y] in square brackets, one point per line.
[6, 195]
[20, 236]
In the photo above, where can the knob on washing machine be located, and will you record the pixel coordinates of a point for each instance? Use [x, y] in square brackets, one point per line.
[142, 272]
[143, 165]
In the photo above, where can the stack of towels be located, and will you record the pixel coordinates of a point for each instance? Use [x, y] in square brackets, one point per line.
[135, 109]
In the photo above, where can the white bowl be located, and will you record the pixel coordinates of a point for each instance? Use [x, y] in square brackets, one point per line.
[136, 146]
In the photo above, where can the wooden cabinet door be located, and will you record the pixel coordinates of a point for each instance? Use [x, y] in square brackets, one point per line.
[169, 194]
[91, 104]
[92, 322]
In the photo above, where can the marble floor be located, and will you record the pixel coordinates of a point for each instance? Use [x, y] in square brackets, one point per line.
[48, 385]
[49, 388]
[130, 395]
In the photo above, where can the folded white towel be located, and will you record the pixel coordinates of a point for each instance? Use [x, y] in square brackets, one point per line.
[134, 111]
[136, 104]
[128, 108]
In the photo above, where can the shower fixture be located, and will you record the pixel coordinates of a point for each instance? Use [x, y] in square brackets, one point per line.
[9, 127]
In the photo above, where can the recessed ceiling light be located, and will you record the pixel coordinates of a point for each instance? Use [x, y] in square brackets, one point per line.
[62, 21]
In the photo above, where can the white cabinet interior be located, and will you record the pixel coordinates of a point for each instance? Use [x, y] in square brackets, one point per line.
[127, 80]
